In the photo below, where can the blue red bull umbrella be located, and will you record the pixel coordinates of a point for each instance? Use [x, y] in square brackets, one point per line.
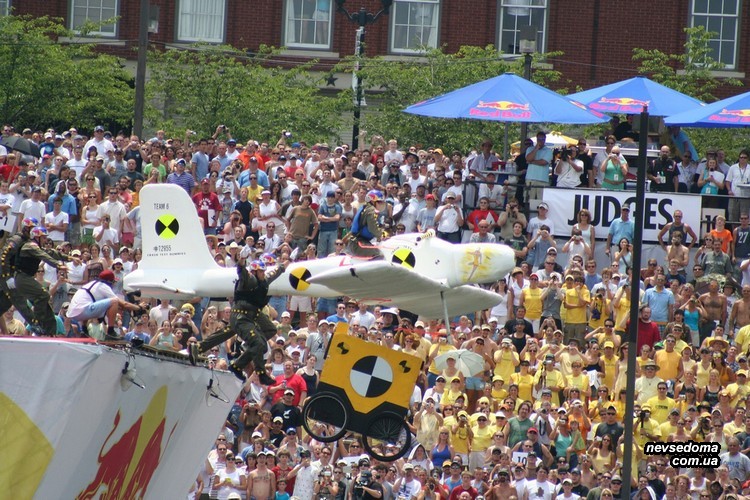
[730, 112]
[506, 98]
[630, 97]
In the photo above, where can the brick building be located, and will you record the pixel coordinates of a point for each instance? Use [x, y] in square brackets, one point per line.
[596, 36]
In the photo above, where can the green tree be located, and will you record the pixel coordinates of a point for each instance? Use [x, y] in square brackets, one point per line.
[394, 85]
[693, 72]
[47, 83]
[205, 86]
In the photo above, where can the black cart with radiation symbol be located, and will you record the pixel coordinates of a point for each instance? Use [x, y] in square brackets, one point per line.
[364, 388]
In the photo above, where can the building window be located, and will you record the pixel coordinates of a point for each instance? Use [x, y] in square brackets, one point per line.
[201, 21]
[308, 24]
[95, 11]
[515, 14]
[720, 17]
[414, 25]
[4, 7]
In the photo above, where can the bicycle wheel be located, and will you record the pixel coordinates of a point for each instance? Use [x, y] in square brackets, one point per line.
[325, 417]
[388, 437]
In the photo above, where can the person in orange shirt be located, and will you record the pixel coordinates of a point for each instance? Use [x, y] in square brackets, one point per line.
[251, 149]
[721, 233]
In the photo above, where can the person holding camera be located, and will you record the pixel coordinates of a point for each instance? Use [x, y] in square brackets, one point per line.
[364, 487]
[325, 488]
[569, 168]
[615, 170]
[449, 219]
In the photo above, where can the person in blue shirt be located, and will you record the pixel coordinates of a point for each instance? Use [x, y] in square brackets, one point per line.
[339, 316]
[661, 301]
[621, 227]
[538, 158]
[139, 330]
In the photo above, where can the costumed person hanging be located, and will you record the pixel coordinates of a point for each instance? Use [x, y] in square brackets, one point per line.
[360, 242]
[8, 257]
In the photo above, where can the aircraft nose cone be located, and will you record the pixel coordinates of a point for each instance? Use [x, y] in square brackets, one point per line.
[481, 263]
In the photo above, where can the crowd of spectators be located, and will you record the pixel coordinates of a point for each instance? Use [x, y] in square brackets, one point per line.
[543, 419]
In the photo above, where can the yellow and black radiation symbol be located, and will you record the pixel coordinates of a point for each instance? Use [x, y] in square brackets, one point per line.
[298, 278]
[404, 257]
[167, 226]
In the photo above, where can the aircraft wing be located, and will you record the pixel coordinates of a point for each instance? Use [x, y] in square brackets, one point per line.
[161, 291]
[384, 283]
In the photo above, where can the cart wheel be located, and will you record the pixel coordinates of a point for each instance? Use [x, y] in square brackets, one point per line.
[325, 417]
[388, 437]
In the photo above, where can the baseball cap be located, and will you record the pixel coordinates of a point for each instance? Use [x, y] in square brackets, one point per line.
[543, 205]
[625, 207]
[289, 391]
[278, 419]
[107, 275]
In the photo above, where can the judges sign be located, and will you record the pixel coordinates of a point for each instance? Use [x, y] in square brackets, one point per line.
[564, 205]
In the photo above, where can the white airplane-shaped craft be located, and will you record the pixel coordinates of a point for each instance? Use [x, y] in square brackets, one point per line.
[420, 272]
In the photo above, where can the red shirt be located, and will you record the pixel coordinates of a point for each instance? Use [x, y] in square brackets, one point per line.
[284, 474]
[205, 202]
[294, 382]
[648, 333]
[460, 489]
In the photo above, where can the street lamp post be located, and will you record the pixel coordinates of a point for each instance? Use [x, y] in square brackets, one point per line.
[362, 18]
[526, 46]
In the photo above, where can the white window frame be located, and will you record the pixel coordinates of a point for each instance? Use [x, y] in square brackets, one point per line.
[288, 23]
[5, 6]
[507, 8]
[91, 5]
[217, 9]
[434, 25]
[721, 35]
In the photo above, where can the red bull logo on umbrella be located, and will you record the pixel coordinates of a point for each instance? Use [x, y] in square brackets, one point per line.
[619, 104]
[501, 109]
[731, 116]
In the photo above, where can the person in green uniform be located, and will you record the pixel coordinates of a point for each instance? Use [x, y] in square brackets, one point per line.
[247, 320]
[365, 228]
[28, 288]
[8, 270]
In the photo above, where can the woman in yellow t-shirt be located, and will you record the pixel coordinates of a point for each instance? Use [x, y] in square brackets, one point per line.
[524, 380]
[461, 436]
[531, 299]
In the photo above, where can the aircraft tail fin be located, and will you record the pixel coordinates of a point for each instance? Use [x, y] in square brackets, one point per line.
[171, 230]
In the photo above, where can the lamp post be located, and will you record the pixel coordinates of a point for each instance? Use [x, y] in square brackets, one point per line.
[362, 18]
[526, 46]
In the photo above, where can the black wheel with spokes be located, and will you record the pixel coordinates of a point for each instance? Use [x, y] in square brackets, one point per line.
[325, 417]
[388, 437]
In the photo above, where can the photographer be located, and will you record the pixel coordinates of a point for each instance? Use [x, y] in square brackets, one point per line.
[325, 488]
[568, 168]
[364, 487]
[432, 489]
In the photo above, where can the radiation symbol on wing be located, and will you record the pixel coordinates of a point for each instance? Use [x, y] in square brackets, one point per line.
[404, 257]
[167, 226]
[299, 277]
[371, 376]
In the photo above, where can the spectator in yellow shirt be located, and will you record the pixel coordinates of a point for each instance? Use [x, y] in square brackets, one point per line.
[661, 405]
[669, 360]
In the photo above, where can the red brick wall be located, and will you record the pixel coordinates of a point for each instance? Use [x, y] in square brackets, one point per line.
[596, 36]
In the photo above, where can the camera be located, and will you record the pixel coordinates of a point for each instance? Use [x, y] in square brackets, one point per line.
[287, 134]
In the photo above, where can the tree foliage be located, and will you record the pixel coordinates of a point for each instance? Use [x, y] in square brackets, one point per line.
[693, 72]
[205, 86]
[394, 85]
[47, 83]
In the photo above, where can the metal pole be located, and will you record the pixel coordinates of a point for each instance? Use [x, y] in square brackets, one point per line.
[526, 75]
[140, 72]
[638, 217]
[360, 43]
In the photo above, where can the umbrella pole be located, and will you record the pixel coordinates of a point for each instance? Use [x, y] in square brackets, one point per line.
[505, 142]
[445, 313]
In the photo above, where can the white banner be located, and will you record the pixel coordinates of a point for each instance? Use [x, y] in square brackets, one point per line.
[564, 205]
[69, 429]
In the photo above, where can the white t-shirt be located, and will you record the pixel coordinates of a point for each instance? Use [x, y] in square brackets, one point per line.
[82, 298]
[51, 218]
[31, 208]
[108, 238]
